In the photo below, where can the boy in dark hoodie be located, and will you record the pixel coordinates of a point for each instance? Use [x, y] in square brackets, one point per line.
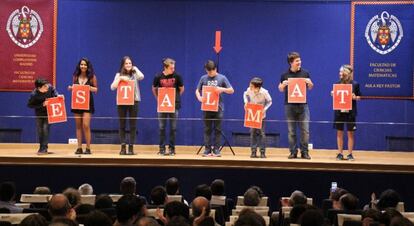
[38, 101]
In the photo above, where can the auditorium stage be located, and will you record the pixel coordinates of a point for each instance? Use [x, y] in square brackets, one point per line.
[107, 156]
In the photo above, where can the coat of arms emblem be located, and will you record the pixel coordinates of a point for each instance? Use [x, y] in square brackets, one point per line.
[383, 33]
[24, 27]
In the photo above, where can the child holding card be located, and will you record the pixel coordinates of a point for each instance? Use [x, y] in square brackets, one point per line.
[256, 94]
[38, 101]
[128, 72]
[346, 117]
[84, 75]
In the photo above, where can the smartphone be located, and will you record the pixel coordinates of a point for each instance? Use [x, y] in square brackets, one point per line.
[334, 186]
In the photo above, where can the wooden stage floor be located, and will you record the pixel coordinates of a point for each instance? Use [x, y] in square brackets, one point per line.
[107, 155]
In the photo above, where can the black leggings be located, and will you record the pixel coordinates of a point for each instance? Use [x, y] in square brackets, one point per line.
[132, 111]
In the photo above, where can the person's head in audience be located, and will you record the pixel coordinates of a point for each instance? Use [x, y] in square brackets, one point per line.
[172, 186]
[335, 196]
[147, 221]
[217, 187]
[178, 221]
[248, 217]
[207, 221]
[103, 202]
[84, 209]
[312, 217]
[63, 221]
[129, 208]
[176, 208]
[259, 190]
[348, 202]
[251, 197]
[7, 191]
[387, 215]
[59, 206]
[86, 189]
[369, 216]
[198, 204]
[42, 190]
[203, 190]
[34, 220]
[73, 196]
[128, 186]
[388, 198]
[401, 221]
[297, 212]
[97, 218]
[158, 196]
[297, 197]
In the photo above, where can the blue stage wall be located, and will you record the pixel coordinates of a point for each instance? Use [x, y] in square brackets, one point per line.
[256, 37]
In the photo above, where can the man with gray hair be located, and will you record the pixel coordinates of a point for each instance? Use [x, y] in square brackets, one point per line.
[86, 189]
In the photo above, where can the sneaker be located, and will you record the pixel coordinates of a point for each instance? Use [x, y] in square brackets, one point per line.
[78, 151]
[293, 156]
[130, 150]
[123, 150]
[161, 151]
[340, 156]
[305, 155]
[206, 153]
[42, 151]
[172, 151]
[253, 154]
[262, 155]
[87, 151]
[216, 153]
[350, 157]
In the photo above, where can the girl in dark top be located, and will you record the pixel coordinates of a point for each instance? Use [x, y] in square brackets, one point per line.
[84, 75]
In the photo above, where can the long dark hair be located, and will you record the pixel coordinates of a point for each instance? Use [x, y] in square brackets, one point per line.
[122, 69]
[89, 73]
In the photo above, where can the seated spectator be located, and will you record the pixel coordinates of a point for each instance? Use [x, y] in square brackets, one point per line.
[348, 202]
[84, 209]
[198, 205]
[85, 189]
[388, 199]
[174, 209]
[217, 191]
[251, 197]
[217, 187]
[259, 191]
[128, 186]
[297, 212]
[401, 221]
[206, 221]
[7, 197]
[335, 196]
[248, 217]
[42, 190]
[203, 190]
[297, 198]
[148, 221]
[172, 186]
[103, 202]
[97, 218]
[73, 196]
[369, 216]
[63, 221]
[387, 215]
[312, 217]
[178, 221]
[129, 209]
[59, 206]
[34, 220]
[158, 196]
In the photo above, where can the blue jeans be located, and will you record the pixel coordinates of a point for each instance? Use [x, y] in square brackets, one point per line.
[43, 127]
[298, 116]
[211, 118]
[258, 138]
[162, 123]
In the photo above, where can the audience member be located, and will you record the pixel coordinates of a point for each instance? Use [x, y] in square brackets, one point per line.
[86, 189]
[42, 190]
[147, 221]
[73, 196]
[63, 221]
[248, 217]
[158, 196]
[7, 197]
[129, 209]
[59, 206]
[103, 202]
[251, 197]
[349, 202]
[34, 220]
[97, 218]
[203, 190]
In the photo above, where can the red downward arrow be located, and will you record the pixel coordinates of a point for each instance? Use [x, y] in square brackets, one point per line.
[217, 47]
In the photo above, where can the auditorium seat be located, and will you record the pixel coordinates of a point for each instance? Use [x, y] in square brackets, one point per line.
[178, 198]
[262, 212]
[41, 211]
[333, 218]
[23, 205]
[309, 201]
[88, 199]
[34, 198]
[234, 218]
[347, 217]
[400, 207]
